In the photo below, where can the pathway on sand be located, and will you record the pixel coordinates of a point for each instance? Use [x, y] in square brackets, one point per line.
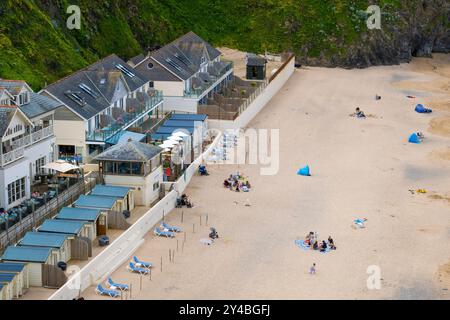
[360, 168]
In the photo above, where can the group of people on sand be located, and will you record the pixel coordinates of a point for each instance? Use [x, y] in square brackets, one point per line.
[184, 201]
[237, 182]
[312, 241]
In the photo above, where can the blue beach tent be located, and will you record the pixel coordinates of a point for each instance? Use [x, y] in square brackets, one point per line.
[413, 138]
[421, 109]
[304, 171]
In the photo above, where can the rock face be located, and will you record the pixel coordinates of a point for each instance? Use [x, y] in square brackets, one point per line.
[416, 33]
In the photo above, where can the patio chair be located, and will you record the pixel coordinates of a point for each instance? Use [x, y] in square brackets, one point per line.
[169, 227]
[104, 292]
[113, 285]
[133, 268]
[166, 234]
[140, 263]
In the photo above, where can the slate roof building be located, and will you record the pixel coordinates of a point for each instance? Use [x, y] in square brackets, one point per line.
[188, 70]
[99, 102]
[134, 165]
[27, 138]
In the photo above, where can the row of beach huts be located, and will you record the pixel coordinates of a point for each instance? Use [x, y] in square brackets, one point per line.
[40, 258]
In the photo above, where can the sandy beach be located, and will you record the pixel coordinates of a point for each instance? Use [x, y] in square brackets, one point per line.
[361, 168]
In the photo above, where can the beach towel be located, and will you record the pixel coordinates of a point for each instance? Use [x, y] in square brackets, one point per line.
[304, 171]
[360, 222]
[414, 138]
[301, 244]
[421, 109]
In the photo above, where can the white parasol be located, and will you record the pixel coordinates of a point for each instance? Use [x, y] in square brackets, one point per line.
[60, 166]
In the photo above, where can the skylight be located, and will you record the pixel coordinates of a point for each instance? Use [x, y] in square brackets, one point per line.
[125, 70]
[88, 90]
[75, 97]
[173, 64]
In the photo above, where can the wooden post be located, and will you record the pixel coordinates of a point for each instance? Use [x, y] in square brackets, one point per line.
[207, 219]
[163, 216]
[185, 236]
[200, 219]
[150, 274]
[161, 263]
[182, 215]
[193, 228]
[140, 283]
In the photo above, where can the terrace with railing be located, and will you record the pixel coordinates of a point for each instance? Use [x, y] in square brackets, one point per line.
[16, 149]
[204, 81]
[120, 119]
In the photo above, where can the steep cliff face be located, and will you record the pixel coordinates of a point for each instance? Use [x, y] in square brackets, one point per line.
[35, 44]
[413, 29]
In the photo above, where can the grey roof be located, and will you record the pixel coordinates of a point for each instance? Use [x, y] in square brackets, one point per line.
[255, 60]
[102, 78]
[6, 114]
[12, 86]
[131, 151]
[137, 59]
[183, 56]
[154, 71]
[39, 104]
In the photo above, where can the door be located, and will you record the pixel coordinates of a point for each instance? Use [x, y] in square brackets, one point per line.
[101, 225]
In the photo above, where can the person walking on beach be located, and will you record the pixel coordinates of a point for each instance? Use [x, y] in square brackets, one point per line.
[312, 270]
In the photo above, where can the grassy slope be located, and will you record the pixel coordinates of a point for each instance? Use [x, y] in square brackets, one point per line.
[36, 46]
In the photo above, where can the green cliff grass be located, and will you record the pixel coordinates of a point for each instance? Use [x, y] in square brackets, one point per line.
[36, 46]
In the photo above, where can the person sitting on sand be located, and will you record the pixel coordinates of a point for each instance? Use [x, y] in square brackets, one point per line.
[226, 184]
[420, 136]
[331, 243]
[315, 245]
[323, 246]
[359, 113]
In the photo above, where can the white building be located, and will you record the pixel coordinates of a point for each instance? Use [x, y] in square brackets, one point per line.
[133, 164]
[99, 102]
[188, 70]
[27, 139]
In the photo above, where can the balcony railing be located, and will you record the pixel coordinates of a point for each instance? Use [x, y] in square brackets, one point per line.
[126, 118]
[18, 146]
[214, 73]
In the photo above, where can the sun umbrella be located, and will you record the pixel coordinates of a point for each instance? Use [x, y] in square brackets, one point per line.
[175, 138]
[60, 166]
[180, 134]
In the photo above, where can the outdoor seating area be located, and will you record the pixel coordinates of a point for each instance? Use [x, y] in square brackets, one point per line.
[45, 188]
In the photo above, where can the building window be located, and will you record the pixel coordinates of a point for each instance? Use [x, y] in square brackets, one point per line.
[16, 190]
[156, 186]
[150, 65]
[151, 84]
[39, 164]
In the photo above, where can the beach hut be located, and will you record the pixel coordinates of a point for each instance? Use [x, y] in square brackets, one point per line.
[74, 228]
[256, 67]
[96, 217]
[135, 165]
[58, 241]
[125, 195]
[21, 271]
[2, 292]
[35, 257]
[7, 280]
[98, 202]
